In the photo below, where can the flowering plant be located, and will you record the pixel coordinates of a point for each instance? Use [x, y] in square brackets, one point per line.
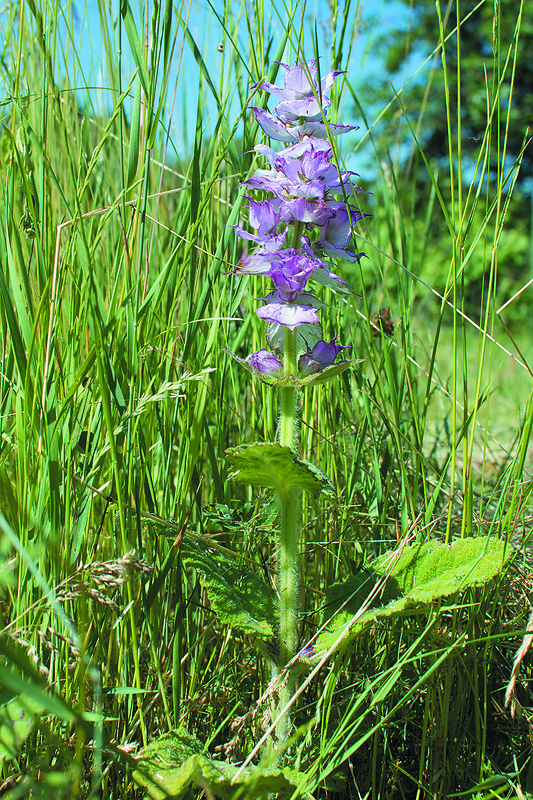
[298, 221]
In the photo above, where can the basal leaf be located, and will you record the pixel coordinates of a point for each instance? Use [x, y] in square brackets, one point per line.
[270, 464]
[160, 765]
[348, 595]
[238, 595]
[425, 572]
[422, 574]
[169, 766]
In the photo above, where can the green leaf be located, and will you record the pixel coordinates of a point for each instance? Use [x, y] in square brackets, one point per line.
[270, 464]
[135, 44]
[169, 766]
[238, 595]
[41, 785]
[14, 330]
[422, 574]
[17, 717]
[135, 127]
[329, 373]
[348, 595]
[426, 572]
[35, 693]
[297, 382]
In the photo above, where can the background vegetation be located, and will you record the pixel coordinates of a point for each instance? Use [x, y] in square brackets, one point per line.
[117, 400]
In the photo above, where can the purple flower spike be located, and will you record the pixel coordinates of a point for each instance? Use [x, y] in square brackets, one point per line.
[297, 205]
[322, 355]
[265, 363]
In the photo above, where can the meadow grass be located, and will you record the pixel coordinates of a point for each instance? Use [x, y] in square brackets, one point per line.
[118, 401]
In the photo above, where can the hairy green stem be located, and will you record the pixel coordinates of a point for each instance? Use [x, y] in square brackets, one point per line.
[288, 399]
[289, 568]
[289, 586]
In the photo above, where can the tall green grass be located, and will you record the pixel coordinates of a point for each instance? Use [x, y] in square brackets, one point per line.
[117, 402]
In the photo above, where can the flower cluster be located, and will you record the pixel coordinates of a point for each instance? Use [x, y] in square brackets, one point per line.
[298, 222]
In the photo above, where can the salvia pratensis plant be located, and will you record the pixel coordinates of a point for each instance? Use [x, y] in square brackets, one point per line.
[300, 215]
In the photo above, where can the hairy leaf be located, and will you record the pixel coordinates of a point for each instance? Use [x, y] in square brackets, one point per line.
[172, 764]
[421, 574]
[270, 464]
[238, 595]
[425, 572]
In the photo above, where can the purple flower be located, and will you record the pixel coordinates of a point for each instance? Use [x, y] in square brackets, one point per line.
[286, 265]
[309, 161]
[290, 273]
[261, 261]
[277, 182]
[322, 131]
[269, 180]
[322, 355]
[337, 233]
[312, 164]
[301, 95]
[264, 218]
[283, 132]
[312, 212]
[301, 311]
[274, 128]
[265, 363]
[301, 170]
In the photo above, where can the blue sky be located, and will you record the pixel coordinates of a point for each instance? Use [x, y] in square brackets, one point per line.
[374, 17]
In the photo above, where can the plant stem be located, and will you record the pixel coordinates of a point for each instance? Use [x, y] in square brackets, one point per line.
[288, 399]
[289, 568]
